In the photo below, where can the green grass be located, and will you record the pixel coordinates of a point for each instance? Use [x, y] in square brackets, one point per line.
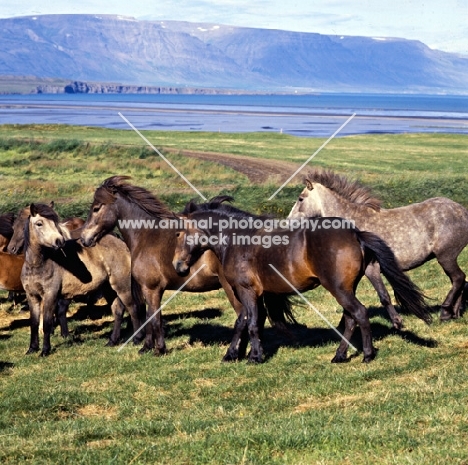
[91, 404]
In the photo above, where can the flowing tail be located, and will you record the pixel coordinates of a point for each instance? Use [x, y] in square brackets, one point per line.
[407, 294]
[279, 311]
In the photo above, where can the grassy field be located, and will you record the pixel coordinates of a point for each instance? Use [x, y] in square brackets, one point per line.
[90, 404]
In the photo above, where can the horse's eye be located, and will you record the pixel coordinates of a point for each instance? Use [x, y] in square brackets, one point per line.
[301, 199]
[39, 224]
[96, 208]
[178, 234]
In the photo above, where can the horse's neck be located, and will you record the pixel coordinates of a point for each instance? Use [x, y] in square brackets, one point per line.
[34, 255]
[129, 211]
[331, 204]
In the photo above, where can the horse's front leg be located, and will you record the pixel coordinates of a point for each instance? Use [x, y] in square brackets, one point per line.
[118, 309]
[49, 304]
[249, 299]
[34, 303]
[239, 341]
[154, 339]
[62, 308]
[238, 347]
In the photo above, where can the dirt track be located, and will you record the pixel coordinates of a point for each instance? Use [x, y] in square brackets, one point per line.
[257, 170]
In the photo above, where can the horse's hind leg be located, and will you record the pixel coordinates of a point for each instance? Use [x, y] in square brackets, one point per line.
[359, 314]
[61, 314]
[374, 276]
[451, 306]
[118, 310]
[341, 355]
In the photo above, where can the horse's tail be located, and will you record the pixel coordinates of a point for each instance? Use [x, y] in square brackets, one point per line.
[279, 310]
[407, 294]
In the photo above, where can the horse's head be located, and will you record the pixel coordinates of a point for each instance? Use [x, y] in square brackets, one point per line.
[102, 216]
[308, 203]
[191, 242]
[16, 244]
[43, 227]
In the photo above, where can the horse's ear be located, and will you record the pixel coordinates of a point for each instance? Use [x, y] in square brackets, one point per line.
[309, 185]
[52, 204]
[32, 210]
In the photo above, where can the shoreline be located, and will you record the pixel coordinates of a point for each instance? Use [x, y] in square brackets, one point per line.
[209, 116]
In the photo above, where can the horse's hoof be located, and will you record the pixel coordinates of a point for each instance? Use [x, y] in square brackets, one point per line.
[44, 353]
[340, 359]
[398, 325]
[160, 352]
[255, 359]
[111, 343]
[230, 358]
[32, 350]
[369, 358]
[445, 315]
[145, 350]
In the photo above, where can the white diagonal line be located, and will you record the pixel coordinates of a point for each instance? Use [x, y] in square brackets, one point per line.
[313, 155]
[313, 308]
[162, 156]
[161, 307]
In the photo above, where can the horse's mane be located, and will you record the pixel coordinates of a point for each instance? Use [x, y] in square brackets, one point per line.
[352, 191]
[218, 204]
[6, 225]
[135, 194]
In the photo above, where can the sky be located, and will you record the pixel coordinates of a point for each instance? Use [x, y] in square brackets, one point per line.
[440, 24]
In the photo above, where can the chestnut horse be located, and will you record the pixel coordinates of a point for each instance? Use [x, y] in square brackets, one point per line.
[10, 265]
[436, 228]
[306, 258]
[56, 267]
[143, 221]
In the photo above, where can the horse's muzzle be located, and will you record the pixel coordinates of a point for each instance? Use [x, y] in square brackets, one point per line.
[88, 241]
[182, 269]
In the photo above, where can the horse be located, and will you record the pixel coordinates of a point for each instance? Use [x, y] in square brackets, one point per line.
[10, 266]
[6, 229]
[282, 260]
[57, 267]
[143, 221]
[436, 228]
[16, 242]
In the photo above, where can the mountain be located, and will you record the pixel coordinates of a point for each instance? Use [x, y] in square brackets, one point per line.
[120, 49]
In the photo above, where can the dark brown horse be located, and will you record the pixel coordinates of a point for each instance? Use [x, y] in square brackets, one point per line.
[57, 267]
[252, 256]
[6, 229]
[436, 228]
[143, 221]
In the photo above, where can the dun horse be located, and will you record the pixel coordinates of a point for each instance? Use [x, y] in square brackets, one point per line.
[56, 267]
[334, 258]
[143, 221]
[436, 228]
[16, 242]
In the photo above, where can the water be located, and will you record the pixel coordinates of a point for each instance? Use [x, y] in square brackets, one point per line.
[301, 115]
